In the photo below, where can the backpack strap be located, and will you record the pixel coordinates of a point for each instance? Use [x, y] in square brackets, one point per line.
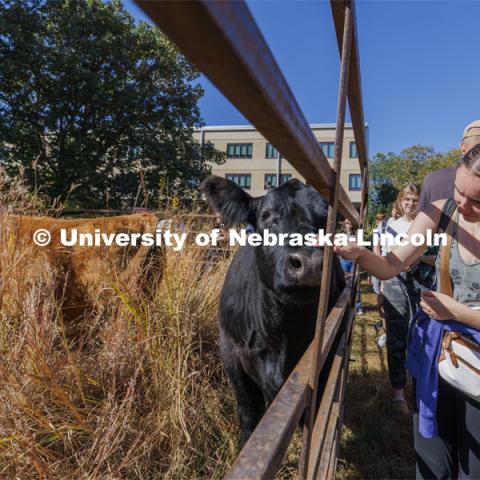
[447, 212]
[446, 225]
[383, 226]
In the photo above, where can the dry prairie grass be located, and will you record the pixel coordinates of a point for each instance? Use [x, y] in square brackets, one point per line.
[140, 393]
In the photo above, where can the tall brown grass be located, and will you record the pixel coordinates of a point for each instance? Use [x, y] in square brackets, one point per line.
[138, 393]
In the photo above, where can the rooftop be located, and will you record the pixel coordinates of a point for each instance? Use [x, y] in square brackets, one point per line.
[246, 128]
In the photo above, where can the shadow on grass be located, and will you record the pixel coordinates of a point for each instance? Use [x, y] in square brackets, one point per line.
[375, 443]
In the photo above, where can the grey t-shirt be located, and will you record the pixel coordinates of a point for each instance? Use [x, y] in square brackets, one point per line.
[437, 186]
[465, 277]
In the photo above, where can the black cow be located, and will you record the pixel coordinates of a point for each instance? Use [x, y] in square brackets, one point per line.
[270, 296]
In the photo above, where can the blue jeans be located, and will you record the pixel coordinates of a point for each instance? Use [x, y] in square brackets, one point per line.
[347, 267]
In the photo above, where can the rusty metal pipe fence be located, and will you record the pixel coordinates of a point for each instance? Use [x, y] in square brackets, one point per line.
[223, 40]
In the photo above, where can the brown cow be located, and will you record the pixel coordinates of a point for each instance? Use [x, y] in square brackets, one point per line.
[83, 272]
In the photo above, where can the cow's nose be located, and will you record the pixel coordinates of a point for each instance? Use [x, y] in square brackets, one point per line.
[295, 264]
[306, 269]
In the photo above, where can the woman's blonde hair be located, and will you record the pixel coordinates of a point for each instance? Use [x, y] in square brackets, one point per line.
[397, 206]
[408, 188]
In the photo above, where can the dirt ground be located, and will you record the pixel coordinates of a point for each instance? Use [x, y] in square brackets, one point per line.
[375, 444]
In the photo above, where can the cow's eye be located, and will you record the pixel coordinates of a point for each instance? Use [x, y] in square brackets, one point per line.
[266, 214]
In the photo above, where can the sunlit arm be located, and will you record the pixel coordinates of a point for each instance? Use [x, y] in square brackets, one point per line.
[388, 267]
[383, 268]
[465, 315]
[400, 257]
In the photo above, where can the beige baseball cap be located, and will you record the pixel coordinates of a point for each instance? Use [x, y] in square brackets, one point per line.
[472, 129]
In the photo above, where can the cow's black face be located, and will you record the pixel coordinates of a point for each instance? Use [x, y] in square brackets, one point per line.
[291, 208]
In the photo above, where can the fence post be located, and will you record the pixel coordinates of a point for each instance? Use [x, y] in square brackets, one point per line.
[317, 360]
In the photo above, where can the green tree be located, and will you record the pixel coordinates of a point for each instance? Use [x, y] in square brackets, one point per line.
[389, 172]
[399, 169]
[441, 160]
[95, 107]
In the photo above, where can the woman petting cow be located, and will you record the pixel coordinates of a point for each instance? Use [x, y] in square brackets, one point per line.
[401, 301]
[447, 415]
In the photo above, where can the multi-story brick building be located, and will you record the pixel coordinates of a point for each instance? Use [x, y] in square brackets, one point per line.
[252, 162]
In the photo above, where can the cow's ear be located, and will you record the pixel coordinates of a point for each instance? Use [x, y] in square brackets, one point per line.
[225, 197]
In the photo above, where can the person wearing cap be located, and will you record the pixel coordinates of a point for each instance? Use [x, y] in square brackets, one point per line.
[440, 184]
[446, 421]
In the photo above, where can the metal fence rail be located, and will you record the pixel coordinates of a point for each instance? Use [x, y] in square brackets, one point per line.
[223, 40]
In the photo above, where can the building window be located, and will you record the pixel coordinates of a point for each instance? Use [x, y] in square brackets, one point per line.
[239, 150]
[328, 148]
[353, 150]
[271, 180]
[354, 182]
[271, 151]
[241, 179]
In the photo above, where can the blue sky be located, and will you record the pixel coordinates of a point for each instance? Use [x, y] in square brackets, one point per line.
[419, 67]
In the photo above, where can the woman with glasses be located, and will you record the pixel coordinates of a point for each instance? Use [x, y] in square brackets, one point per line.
[401, 301]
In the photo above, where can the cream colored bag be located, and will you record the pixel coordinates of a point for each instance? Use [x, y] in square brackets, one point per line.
[459, 362]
